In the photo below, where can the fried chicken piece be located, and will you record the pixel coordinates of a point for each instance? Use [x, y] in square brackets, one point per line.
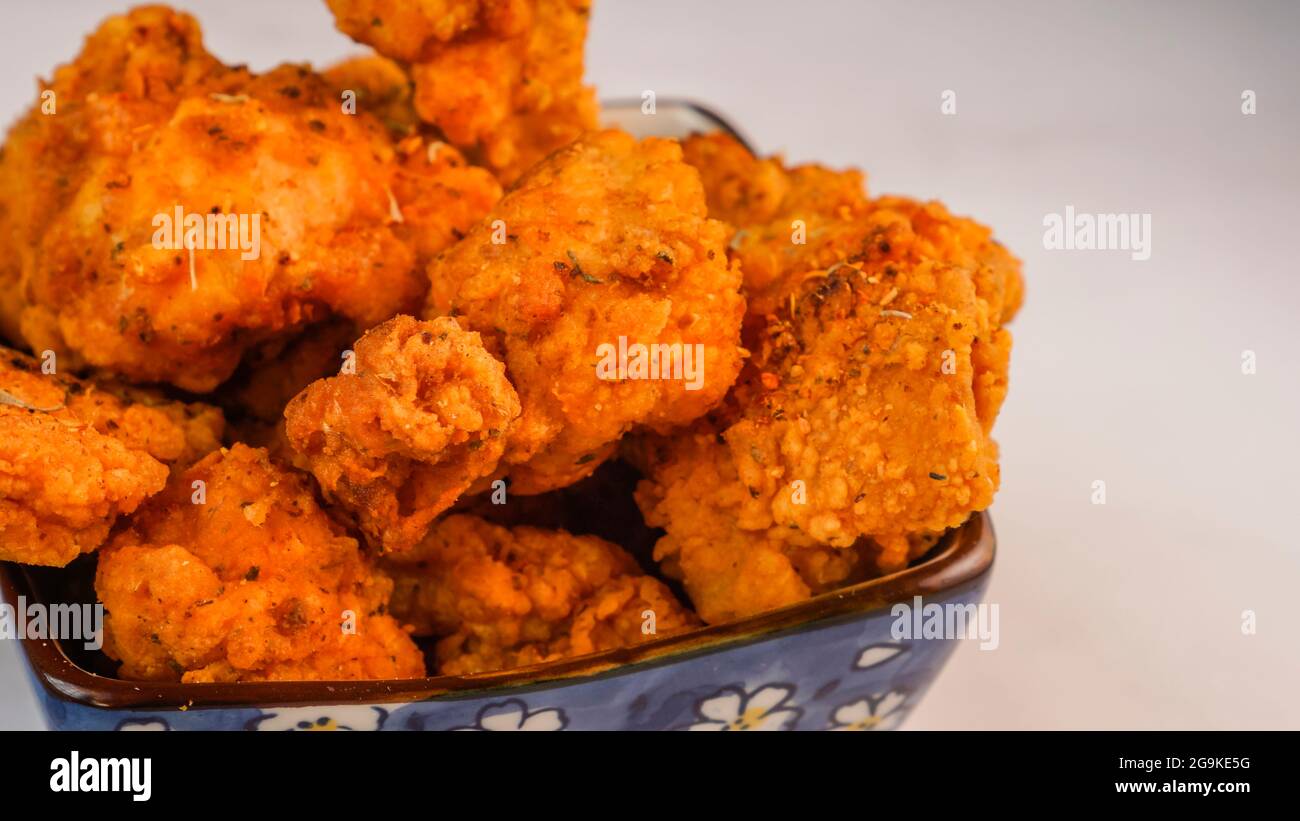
[791, 221]
[381, 88]
[857, 432]
[729, 571]
[500, 78]
[787, 221]
[408, 30]
[605, 243]
[75, 454]
[425, 415]
[744, 189]
[441, 194]
[252, 582]
[500, 598]
[173, 212]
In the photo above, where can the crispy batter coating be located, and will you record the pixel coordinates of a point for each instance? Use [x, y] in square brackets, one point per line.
[861, 424]
[501, 598]
[425, 414]
[294, 208]
[500, 78]
[411, 29]
[605, 241]
[770, 205]
[75, 454]
[382, 88]
[255, 583]
[442, 197]
[763, 200]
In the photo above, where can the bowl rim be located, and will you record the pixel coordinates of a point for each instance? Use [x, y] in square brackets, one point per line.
[963, 555]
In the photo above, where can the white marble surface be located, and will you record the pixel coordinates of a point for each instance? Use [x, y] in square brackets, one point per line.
[1114, 616]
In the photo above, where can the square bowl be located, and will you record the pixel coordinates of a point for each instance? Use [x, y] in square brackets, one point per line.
[833, 662]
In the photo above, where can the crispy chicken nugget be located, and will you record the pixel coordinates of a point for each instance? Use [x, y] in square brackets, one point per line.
[601, 251]
[729, 571]
[75, 454]
[163, 213]
[409, 30]
[234, 573]
[501, 78]
[501, 598]
[424, 416]
[381, 87]
[790, 221]
[863, 415]
[787, 221]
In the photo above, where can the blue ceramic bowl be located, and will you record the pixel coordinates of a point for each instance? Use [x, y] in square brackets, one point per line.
[829, 663]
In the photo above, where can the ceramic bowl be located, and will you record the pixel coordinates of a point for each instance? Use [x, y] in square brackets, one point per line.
[833, 662]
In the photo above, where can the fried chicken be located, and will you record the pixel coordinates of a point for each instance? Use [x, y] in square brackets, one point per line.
[857, 432]
[424, 416]
[75, 454]
[381, 88]
[603, 247]
[163, 213]
[251, 581]
[501, 598]
[501, 79]
[802, 379]
[790, 221]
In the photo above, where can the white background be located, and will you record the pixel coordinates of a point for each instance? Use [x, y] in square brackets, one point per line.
[1126, 615]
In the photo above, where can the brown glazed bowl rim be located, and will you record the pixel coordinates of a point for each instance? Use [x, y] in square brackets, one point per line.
[964, 554]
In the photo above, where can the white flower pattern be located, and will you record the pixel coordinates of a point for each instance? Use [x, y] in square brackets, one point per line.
[513, 715]
[145, 724]
[883, 712]
[732, 708]
[363, 717]
[877, 654]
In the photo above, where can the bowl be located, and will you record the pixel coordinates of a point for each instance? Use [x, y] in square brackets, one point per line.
[835, 661]
[832, 662]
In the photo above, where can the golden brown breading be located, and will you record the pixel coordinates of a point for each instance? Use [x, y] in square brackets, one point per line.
[501, 78]
[74, 454]
[294, 203]
[255, 582]
[790, 221]
[381, 88]
[411, 29]
[861, 421]
[787, 221]
[426, 414]
[606, 241]
[442, 197]
[729, 571]
[501, 598]
[742, 189]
